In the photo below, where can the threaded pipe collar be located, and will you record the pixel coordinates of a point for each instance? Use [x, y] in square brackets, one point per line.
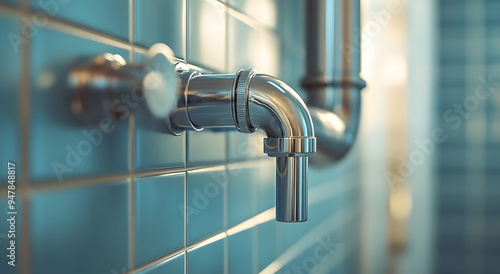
[240, 104]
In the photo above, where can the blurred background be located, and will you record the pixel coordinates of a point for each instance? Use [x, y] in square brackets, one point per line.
[419, 192]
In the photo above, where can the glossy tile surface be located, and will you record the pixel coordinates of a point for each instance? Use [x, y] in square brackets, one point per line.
[206, 147]
[241, 194]
[174, 266]
[245, 147]
[207, 34]
[155, 148]
[252, 48]
[241, 259]
[86, 228]
[265, 12]
[159, 216]
[109, 17]
[205, 205]
[267, 244]
[266, 184]
[159, 21]
[61, 147]
[207, 259]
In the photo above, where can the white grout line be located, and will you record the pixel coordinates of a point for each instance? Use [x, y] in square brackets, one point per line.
[102, 179]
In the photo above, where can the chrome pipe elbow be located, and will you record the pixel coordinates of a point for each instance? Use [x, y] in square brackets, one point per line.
[277, 109]
[248, 101]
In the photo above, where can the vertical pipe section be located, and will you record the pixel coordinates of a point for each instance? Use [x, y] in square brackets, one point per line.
[332, 81]
[291, 189]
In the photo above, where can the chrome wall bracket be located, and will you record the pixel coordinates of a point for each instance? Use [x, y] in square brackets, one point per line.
[107, 87]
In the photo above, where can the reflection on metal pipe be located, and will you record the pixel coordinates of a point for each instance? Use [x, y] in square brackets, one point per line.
[332, 78]
[248, 101]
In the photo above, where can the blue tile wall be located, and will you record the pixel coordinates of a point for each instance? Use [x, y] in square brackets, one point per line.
[61, 147]
[154, 147]
[266, 185]
[159, 227]
[10, 77]
[207, 259]
[110, 17]
[138, 199]
[173, 266]
[206, 147]
[267, 247]
[206, 34]
[85, 228]
[205, 202]
[241, 259]
[159, 21]
[241, 194]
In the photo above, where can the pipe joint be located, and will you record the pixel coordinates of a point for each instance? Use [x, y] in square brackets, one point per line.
[248, 101]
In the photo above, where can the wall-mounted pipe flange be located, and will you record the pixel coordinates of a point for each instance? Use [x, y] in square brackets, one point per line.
[107, 87]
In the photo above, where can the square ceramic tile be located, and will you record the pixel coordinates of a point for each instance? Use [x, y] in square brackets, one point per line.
[207, 34]
[241, 252]
[207, 259]
[155, 147]
[205, 207]
[252, 48]
[109, 16]
[61, 147]
[267, 243]
[241, 194]
[173, 266]
[86, 228]
[245, 147]
[206, 147]
[10, 74]
[159, 21]
[240, 46]
[266, 184]
[263, 11]
[159, 216]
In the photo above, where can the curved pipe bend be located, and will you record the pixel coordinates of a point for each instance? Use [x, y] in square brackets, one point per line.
[277, 109]
[248, 101]
[337, 127]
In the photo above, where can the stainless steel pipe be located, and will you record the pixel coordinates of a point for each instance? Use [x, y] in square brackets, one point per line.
[332, 81]
[248, 101]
